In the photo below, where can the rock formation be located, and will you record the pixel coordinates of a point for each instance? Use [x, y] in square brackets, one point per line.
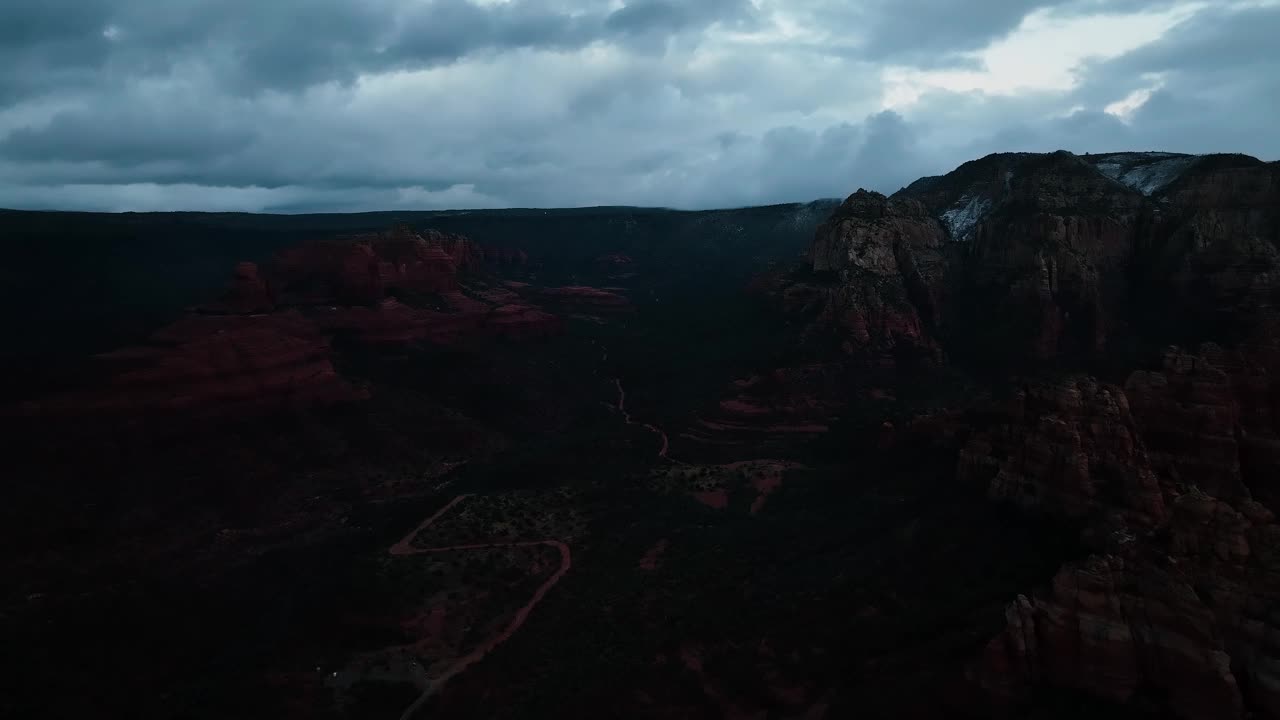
[1019, 259]
[1184, 614]
[364, 269]
[206, 366]
[887, 256]
[249, 294]
[265, 345]
[1049, 256]
[1178, 601]
[1189, 418]
[1068, 448]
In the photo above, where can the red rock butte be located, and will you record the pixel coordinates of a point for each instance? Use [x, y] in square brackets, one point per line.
[264, 346]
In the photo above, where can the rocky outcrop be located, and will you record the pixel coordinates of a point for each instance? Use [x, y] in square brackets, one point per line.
[1055, 256]
[885, 254]
[1189, 418]
[1024, 259]
[207, 366]
[265, 345]
[1037, 253]
[521, 322]
[1185, 615]
[249, 294]
[1108, 629]
[1216, 264]
[364, 269]
[1178, 603]
[317, 272]
[1069, 448]
[465, 254]
[403, 287]
[1210, 420]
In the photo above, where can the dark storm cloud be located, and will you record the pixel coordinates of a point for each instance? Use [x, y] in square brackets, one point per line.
[1081, 131]
[49, 43]
[121, 138]
[644, 16]
[290, 44]
[793, 164]
[1215, 81]
[930, 33]
[445, 30]
[51, 22]
[916, 30]
[1214, 40]
[69, 43]
[337, 104]
[940, 33]
[1211, 83]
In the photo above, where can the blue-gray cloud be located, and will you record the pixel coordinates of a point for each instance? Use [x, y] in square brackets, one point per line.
[313, 104]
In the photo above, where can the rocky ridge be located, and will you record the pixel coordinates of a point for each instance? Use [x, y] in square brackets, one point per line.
[1060, 261]
[1049, 256]
[267, 344]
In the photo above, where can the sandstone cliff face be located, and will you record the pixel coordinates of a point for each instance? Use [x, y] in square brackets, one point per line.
[1189, 418]
[1039, 246]
[403, 287]
[885, 253]
[1217, 260]
[1070, 448]
[1210, 419]
[1180, 600]
[1052, 256]
[1185, 615]
[363, 269]
[1170, 476]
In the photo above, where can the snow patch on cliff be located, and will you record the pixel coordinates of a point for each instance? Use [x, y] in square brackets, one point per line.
[965, 216]
[1156, 173]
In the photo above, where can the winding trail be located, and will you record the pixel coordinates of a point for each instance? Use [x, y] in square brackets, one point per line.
[404, 547]
[622, 408]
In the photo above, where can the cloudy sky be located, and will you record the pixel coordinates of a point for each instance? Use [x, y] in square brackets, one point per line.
[318, 105]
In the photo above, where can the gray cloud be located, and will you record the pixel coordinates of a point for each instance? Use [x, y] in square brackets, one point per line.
[329, 104]
[128, 137]
[1216, 81]
[938, 33]
[668, 16]
[924, 31]
[291, 44]
[1214, 39]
